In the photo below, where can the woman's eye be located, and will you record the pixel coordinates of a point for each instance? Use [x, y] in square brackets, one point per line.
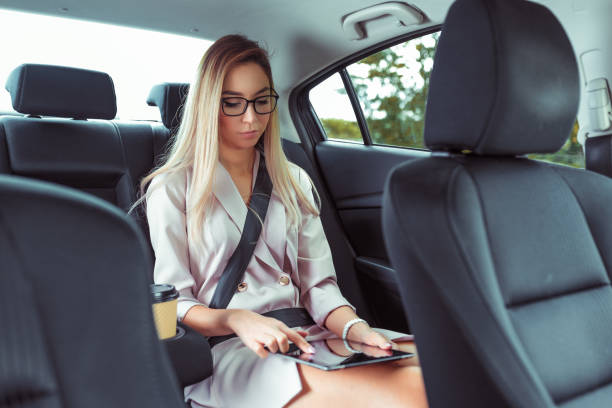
[262, 102]
[230, 104]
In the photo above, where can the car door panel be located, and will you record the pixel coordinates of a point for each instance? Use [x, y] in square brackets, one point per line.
[355, 176]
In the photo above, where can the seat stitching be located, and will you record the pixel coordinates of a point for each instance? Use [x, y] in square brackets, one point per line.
[6, 145]
[125, 165]
[443, 295]
[556, 295]
[604, 384]
[509, 388]
[22, 88]
[166, 102]
[483, 137]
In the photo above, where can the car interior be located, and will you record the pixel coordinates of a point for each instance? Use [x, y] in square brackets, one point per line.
[463, 192]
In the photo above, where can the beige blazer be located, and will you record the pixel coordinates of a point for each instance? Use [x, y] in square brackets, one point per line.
[291, 267]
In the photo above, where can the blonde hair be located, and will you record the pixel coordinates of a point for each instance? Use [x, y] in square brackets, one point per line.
[196, 144]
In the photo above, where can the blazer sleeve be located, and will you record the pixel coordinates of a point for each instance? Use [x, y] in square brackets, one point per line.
[167, 225]
[319, 289]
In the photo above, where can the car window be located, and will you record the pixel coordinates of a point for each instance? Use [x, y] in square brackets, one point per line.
[135, 59]
[570, 154]
[333, 107]
[390, 88]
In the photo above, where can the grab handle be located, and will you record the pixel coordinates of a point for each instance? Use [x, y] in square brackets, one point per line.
[353, 24]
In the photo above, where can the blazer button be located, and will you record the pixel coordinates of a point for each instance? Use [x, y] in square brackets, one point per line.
[242, 287]
[284, 280]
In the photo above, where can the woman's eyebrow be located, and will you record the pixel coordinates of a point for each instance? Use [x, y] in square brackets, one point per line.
[264, 89]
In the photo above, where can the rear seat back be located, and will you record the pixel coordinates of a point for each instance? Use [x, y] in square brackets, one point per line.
[67, 136]
[92, 153]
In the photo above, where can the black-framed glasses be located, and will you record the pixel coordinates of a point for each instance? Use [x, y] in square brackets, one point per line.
[237, 105]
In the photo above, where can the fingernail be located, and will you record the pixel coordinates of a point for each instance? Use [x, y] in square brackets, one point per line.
[311, 350]
[387, 345]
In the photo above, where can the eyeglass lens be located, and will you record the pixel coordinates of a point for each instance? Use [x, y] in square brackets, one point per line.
[237, 105]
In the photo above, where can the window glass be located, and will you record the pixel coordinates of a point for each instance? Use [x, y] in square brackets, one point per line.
[570, 154]
[333, 107]
[135, 59]
[392, 89]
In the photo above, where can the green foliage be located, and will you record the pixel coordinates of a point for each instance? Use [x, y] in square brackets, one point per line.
[571, 153]
[342, 129]
[395, 113]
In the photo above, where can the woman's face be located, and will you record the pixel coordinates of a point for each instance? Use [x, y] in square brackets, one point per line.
[248, 81]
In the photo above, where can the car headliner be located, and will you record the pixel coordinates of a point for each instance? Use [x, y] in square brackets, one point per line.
[303, 36]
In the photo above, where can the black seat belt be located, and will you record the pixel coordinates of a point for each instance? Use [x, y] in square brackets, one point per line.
[238, 262]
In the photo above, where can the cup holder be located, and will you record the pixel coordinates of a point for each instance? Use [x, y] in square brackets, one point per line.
[180, 332]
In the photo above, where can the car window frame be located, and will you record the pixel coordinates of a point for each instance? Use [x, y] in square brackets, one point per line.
[303, 114]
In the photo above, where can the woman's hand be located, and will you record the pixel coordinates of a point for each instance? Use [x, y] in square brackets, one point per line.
[363, 333]
[339, 347]
[360, 332]
[258, 332]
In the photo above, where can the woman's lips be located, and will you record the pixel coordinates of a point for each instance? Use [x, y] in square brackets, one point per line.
[250, 133]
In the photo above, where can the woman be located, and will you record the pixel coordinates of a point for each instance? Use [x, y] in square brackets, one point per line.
[197, 203]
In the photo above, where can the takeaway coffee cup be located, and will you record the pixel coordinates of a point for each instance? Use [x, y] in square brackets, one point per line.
[164, 309]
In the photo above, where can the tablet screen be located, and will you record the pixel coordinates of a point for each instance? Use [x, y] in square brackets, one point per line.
[332, 354]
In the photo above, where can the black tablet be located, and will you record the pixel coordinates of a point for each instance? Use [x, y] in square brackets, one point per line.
[333, 354]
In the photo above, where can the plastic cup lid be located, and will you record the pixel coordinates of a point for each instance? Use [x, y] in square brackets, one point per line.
[163, 292]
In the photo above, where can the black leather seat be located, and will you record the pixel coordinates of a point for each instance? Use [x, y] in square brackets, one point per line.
[504, 262]
[58, 142]
[169, 98]
[75, 308]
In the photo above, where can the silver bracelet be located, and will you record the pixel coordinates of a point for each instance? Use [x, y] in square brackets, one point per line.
[348, 326]
[349, 348]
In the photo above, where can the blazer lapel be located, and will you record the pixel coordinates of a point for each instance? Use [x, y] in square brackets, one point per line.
[262, 252]
[227, 194]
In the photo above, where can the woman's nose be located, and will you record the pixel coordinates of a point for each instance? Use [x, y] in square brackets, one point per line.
[249, 115]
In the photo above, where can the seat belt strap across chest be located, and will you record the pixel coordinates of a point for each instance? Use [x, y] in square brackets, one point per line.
[238, 262]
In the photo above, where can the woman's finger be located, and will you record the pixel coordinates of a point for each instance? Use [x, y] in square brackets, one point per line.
[374, 351]
[299, 341]
[283, 342]
[271, 343]
[374, 338]
[259, 349]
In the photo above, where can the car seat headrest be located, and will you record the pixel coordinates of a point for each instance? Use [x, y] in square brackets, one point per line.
[169, 98]
[49, 90]
[504, 81]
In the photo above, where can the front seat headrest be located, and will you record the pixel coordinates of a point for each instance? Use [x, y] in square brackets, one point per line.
[49, 90]
[504, 81]
[169, 98]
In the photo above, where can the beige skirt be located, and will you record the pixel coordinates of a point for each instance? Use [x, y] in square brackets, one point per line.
[242, 379]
